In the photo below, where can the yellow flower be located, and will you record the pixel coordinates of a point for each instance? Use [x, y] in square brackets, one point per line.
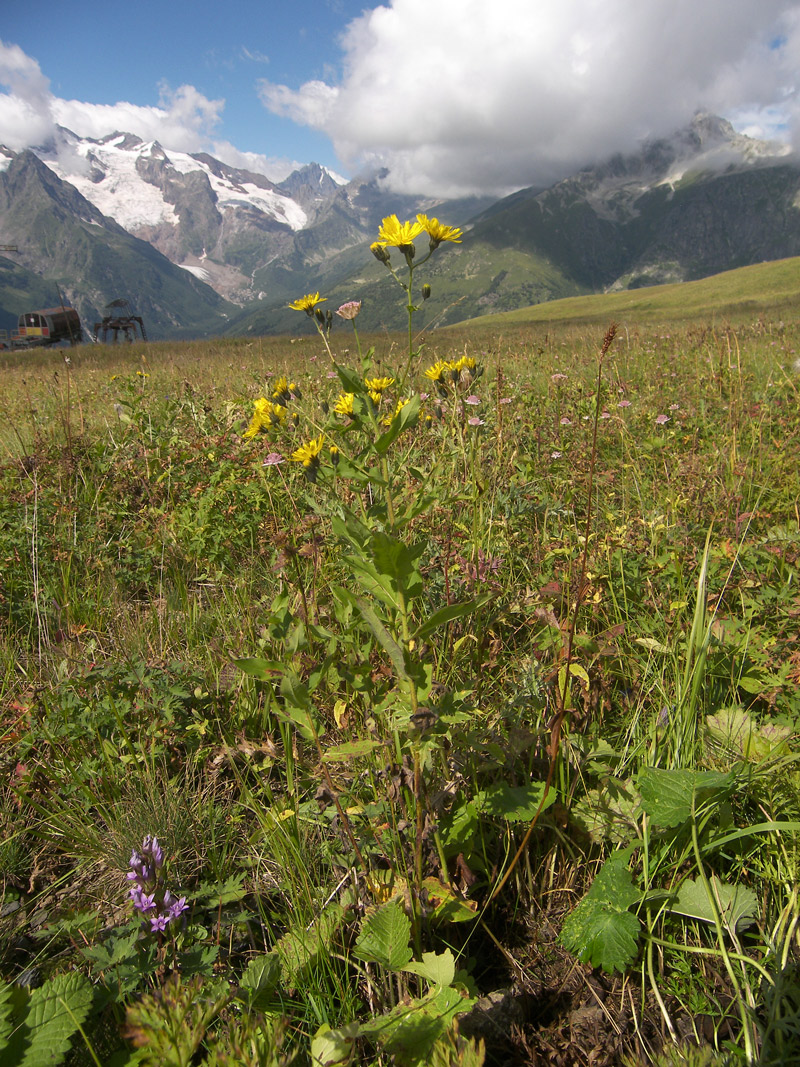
[377, 385]
[344, 405]
[436, 371]
[438, 232]
[465, 363]
[307, 303]
[308, 454]
[398, 234]
[265, 414]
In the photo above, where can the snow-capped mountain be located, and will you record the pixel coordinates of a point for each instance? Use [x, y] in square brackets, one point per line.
[196, 210]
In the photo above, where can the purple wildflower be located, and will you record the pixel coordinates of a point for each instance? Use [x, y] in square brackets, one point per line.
[273, 459]
[473, 400]
[662, 420]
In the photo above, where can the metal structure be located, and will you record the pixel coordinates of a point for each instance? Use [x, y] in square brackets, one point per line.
[119, 320]
[48, 326]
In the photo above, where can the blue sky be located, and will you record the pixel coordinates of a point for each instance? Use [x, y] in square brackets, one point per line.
[453, 96]
[103, 52]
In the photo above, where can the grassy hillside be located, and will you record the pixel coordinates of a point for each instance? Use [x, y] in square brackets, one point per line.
[766, 288]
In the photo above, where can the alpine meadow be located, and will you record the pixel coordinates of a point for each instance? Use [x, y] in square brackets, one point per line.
[417, 697]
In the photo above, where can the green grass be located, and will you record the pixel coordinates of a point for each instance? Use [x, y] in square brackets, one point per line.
[766, 289]
[333, 700]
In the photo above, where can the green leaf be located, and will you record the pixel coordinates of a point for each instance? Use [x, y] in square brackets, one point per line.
[669, 797]
[334, 1048]
[407, 416]
[447, 614]
[409, 1031]
[384, 638]
[302, 948]
[54, 1013]
[397, 561]
[377, 585]
[737, 904]
[384, 938]
[262, 669]
[514, 803]
[435, 969]
[351, 382]
[260, 978]
[351, 750]
[601, 930]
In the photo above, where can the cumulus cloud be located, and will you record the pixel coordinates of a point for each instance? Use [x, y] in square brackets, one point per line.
[184, 120]
[464, 96]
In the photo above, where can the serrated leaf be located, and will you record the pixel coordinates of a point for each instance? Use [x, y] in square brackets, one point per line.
[669, 796]
[737, 904]
[652, 644]
[600, 934]
[301, 948]
[601, 930]
[260, 978]
[6, 1008]
[514, 803]
[384, 938]
[54, 1013]
[437, 970]
[447, 905]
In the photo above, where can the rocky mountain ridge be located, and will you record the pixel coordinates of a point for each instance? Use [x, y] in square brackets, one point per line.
[239, 245]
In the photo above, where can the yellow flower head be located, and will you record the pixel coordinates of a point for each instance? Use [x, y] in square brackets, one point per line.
[436, 371]
[377, 385]
[307, 303]
[265, 415]
[308, 454]
[398, 234]
[438, 232]
[344, 405]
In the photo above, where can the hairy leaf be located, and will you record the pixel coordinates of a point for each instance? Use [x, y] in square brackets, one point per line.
[737, 904]
[601, 930]
[384, 938]
[669, 797]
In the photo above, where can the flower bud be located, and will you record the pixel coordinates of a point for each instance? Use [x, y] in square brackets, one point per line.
[379, 252]
[426, 291]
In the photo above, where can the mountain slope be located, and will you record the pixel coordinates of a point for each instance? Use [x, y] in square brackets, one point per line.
[93, 259]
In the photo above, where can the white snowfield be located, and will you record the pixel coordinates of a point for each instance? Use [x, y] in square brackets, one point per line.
[105, 173]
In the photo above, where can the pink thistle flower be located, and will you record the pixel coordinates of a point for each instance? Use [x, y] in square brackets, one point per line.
[624, 404]
[662, 420]
[473, 400]
[565, 421]
[273, 459]
[475, 421]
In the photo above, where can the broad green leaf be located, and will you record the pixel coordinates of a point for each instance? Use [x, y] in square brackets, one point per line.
[601, 930]
[303, 947]
[351, 750]
[737, 904]
[602, 935]
[260, 978]
[377, 585]
[409, 1032]
[6, 1008]
[262, 669]
[436, 969]
[54, 1013]
[384, 938]
[334, 1048]
[609, 813]
[406, 417]
[397, 561]
[669, 797]
[448, 614]
[514, 803]
[351, 382]
[384, 638]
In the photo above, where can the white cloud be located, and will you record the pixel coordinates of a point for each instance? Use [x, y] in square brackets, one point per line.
[466, 95]
[184, 120]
